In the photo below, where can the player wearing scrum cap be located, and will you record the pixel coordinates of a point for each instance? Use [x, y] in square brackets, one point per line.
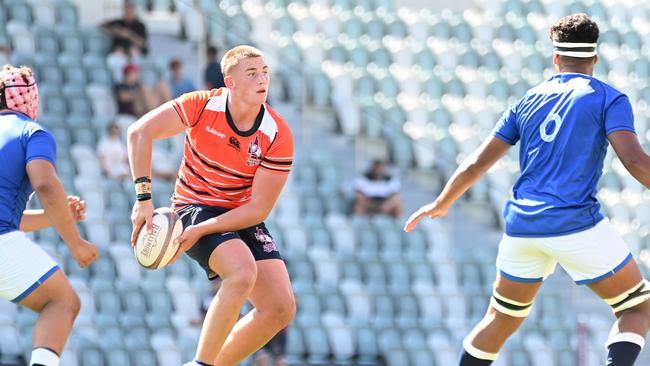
[564, 125]
[237, 157]
[28, 276]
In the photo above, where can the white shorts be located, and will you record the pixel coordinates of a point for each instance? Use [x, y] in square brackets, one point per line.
[588, 256]
[23, 266]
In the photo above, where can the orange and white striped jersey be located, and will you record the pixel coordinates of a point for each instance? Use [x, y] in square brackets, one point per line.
[220, 161]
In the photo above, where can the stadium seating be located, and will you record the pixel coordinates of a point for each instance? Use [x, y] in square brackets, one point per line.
[430, 85]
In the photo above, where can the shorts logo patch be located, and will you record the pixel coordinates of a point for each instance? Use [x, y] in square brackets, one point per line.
[266, 240]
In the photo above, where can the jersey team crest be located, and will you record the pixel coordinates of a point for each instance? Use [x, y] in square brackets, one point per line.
[254, 152]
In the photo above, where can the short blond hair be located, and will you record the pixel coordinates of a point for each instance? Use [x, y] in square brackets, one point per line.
[232, 57]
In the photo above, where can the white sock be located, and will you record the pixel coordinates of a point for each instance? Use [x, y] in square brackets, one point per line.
[44, 356]
[194, 363]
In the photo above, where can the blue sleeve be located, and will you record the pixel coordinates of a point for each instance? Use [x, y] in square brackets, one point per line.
[40, 145]
[619, 116]
[506, 128]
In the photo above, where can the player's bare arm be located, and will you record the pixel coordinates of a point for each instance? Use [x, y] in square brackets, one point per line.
[634, 158]
[467, 173]
[267, 187]
[34, 220]
[162, 122]
[42, 177]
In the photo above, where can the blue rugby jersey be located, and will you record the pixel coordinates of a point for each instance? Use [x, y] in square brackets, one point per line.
[21, 141]
[563, 125]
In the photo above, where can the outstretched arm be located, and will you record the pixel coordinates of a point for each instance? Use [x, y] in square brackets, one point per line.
[634, 158]
[43, 178]
[469, 171]
[34, 220]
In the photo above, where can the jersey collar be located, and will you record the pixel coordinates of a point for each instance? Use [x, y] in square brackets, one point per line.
[256, 125]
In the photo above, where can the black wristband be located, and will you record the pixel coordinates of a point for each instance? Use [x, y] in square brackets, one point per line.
[144, 179]
[143, 197]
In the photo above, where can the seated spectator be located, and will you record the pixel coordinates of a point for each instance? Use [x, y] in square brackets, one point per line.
[129, 39]
[130, 93]
[377, 192]
[112, 154]
[213, 76]
[134, 97]
[178, 83]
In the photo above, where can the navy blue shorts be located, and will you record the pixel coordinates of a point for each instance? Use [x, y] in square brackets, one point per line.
[257, 238]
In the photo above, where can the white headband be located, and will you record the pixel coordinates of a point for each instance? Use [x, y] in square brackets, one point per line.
[582, 50]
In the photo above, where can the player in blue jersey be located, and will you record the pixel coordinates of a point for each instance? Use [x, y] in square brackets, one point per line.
[564, 125]
[28, 276]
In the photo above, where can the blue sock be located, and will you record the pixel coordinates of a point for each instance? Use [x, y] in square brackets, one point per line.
[622, 353]
[468, 360]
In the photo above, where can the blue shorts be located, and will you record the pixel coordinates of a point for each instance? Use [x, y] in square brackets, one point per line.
[257, 238]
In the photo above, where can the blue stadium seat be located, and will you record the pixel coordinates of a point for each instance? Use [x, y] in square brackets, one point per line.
[463, 31]
[519, 357]
[51, 75]
[309, 310]
[137, 337]
[162, 5]
[104, 267]
[333, 303]
[134, 302]
[3, 14]
[117, 356]
[398, 277]
[19, 11]
[422, 356]
[337, 54]
[96, 41]
[441, 29]
[144, 356]
[295, 349]
[317, 345]
[374, 273]
[159, 303]
[350, 270]
[342, 343]
[396, 27]
[91, 357]
[66, 13]
[71, 41]
[375, 28]
[108, 303]
[407, 310]
[390, 341]
[46, 41]
[285, 25]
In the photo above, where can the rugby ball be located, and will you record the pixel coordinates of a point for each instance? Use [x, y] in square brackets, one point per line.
[155, 250]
